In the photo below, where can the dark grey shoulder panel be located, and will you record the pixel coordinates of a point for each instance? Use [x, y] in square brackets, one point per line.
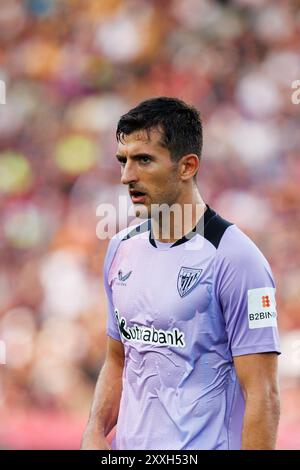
[215, 228]
[143, 227]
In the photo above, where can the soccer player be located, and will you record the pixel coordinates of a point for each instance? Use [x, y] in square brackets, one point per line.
[192, 335]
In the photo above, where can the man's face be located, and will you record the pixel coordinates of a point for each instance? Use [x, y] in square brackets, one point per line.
[146, 167]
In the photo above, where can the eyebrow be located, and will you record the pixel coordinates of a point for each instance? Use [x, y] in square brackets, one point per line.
[135, 156]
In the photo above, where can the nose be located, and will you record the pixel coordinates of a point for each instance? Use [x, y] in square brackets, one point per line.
[129, 173]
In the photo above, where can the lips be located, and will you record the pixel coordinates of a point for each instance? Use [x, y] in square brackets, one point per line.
[137, 197]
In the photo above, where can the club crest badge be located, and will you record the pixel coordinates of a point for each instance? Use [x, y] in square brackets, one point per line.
[187, 279]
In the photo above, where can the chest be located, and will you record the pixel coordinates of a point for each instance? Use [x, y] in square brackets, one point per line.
[161, 289]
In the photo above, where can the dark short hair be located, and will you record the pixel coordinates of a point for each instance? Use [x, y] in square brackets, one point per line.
[179, 123]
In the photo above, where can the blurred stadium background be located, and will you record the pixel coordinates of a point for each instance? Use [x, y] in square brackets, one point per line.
[71, 68]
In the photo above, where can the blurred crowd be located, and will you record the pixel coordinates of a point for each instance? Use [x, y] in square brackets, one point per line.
[71, 68]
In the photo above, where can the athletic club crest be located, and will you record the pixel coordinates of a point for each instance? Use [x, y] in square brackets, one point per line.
[188, 278]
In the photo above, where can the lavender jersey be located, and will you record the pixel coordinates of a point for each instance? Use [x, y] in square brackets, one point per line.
[183, 311]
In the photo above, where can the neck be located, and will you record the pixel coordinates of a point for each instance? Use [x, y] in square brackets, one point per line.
[172, 224]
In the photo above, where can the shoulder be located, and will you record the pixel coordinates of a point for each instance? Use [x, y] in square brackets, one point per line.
[122, 235]
[238, 249]
[214, 227]
[130, 232]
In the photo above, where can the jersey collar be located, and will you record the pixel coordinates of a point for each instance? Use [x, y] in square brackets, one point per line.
[199, 228]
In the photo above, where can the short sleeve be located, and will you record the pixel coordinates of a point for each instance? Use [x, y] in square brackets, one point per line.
[245, 291]
[112, 328]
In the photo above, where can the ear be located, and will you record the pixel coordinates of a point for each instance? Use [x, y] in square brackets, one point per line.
[188, 166]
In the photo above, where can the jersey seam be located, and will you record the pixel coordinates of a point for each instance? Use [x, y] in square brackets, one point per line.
[217, 254]
[230, 414]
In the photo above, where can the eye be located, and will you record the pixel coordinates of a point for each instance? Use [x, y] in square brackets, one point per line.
[122, 161]
[144, 159]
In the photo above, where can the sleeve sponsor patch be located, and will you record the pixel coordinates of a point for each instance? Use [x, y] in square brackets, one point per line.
[262, 307]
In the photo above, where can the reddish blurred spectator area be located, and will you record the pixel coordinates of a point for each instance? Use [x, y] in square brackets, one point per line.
[71, 68]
